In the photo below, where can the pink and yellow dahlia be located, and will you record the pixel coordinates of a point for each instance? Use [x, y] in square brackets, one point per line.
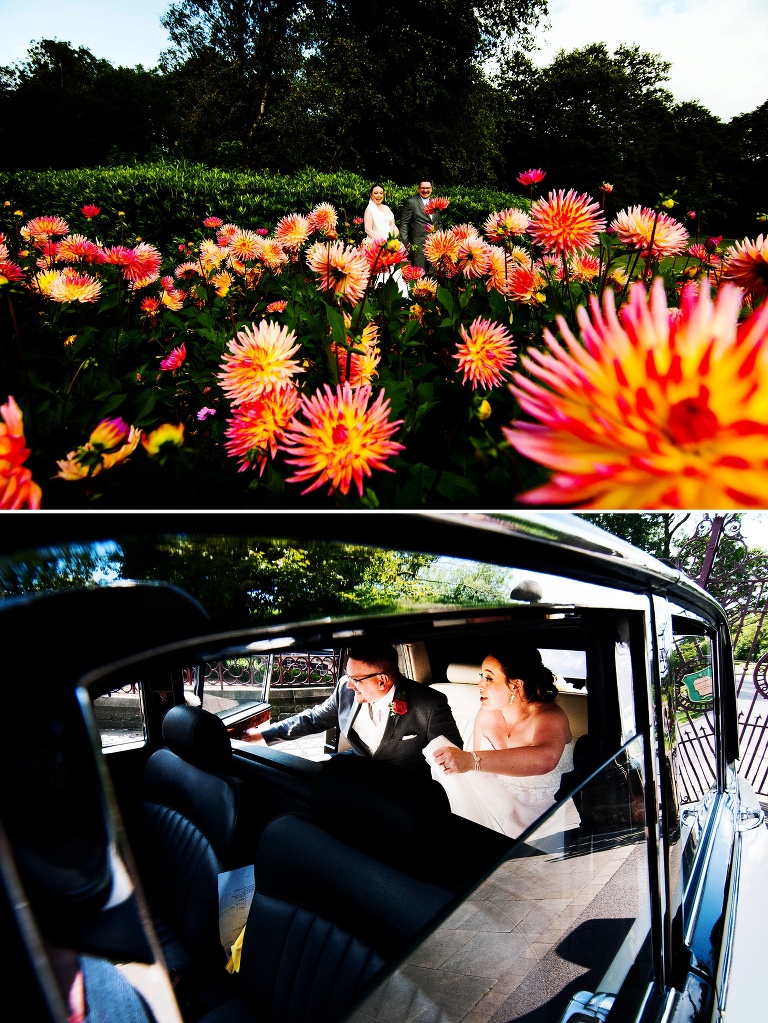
[245, 245]
[71, 286]
[441, 249]
[526, 284]
[584, 268]
[566, 223]
[653, 408]
[637, 225]
[114, 442]
[44, 227]
[272, 255]
[486, 354]
[213, 222]
[340, 269]
[166, 433]
[746, 264]
[277, 307]
[76, 247]
[382, 254]
[17, 488]
[343, 439]
[10, 272]
[474, 258]
[292, 231]
[175, 358]
[225, 234]
[323, 217]
[500, 227]
[257, 427]
[259, 360]
[142, 264]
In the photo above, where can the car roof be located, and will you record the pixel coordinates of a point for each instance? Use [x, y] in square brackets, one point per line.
[537, 541]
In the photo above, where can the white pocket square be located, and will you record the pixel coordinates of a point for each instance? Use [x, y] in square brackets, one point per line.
[408, 737]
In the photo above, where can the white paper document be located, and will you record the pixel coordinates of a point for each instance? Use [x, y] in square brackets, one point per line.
[235, 896]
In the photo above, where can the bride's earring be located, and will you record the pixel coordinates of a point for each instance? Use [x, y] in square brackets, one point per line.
[512, 695]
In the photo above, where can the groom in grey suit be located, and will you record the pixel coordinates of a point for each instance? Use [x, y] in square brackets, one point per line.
[415, 224]
[381, 713]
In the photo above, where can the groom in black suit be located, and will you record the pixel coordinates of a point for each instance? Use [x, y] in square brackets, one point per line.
[415, 224]
[381, 713]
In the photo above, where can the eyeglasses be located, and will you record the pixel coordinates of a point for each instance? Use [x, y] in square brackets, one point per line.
[359, 680]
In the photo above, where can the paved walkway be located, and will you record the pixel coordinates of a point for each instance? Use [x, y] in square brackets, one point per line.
[469, 968]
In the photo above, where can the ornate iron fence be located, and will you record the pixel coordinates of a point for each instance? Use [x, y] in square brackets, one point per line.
[283, 671]
[718, 558]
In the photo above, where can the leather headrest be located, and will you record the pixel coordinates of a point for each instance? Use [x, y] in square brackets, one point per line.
[198, 737]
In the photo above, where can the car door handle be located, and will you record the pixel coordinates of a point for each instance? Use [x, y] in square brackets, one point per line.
[586, 1005]
[749, 819]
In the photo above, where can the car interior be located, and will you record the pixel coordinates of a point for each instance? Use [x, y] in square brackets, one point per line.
[352, 867]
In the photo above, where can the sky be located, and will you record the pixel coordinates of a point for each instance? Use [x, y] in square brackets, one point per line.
[716, 47]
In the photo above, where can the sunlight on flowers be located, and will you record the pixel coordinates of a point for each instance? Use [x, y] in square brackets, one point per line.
[343, 439]
[653, 408]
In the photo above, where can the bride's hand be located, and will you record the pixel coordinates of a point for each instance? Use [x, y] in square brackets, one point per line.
[453, 761]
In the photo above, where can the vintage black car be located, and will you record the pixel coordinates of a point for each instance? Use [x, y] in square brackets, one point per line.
[143, 833]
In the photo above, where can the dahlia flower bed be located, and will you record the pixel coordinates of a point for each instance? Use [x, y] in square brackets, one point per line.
[549, 358]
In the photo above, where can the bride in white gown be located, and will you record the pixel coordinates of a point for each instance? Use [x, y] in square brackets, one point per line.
[522, 745]
[379, 223]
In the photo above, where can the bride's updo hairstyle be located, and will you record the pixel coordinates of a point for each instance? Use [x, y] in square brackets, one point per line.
[524, 662]
[377, 185]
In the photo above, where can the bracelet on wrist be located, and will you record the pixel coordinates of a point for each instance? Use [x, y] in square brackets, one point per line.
[476, 759]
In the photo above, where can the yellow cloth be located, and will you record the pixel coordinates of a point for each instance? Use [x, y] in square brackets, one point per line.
[233, 963]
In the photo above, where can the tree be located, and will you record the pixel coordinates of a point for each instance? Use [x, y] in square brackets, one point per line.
[250, 46]
[590, 116]
[56, 568]
[63, 107]
[656, 533]
[244, 580]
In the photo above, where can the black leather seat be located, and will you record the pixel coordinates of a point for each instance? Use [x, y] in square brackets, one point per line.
[196, 819]
[405, 823]
[325, 923]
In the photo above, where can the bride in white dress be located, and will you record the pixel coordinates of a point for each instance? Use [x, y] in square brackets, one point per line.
[522, 745]
[379, 223]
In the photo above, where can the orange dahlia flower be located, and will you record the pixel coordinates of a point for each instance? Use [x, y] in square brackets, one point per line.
[566, 223]
[654, 408]
[474, 257]
[486, 355]
[340, 269]
[259, 360]
[323, 217]
[746, 264]
[257, 427]
[292, 231]
[245, 245]
[343, 439]
[17, 489]
[44, 227]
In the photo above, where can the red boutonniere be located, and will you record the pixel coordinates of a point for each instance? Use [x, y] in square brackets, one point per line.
[399, 705]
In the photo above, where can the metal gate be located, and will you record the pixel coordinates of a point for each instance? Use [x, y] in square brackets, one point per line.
[718, 558]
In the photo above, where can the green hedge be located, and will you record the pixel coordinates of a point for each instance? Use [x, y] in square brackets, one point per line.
[165, 203]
